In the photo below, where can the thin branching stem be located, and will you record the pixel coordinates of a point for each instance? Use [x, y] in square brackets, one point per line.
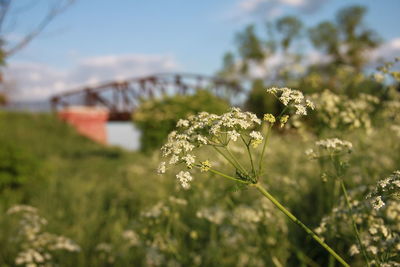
[357, 233]
[346, 196]
[299, 223]
[250, 156]
[263, 149]
[282, 112]
[226, 157]
[227, 176]
[237, 162]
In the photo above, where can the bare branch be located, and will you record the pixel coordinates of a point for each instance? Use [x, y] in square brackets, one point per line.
[53, 12]
[4, 7]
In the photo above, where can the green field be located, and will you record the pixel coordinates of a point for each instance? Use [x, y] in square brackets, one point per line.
[93, 194]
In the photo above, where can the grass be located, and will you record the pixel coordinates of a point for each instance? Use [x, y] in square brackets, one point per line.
[92, 194]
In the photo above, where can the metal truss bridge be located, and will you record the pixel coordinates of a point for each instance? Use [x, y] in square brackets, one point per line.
[121, 98]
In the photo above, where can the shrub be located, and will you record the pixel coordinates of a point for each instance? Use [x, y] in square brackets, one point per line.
[156, 118]
[3, 98]
[258, 101]
[16, 166]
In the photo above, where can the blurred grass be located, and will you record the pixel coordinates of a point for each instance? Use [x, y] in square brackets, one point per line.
[88, 190]
[91, 194]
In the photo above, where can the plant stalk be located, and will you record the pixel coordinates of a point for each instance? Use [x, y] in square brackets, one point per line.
[226, 157]
[299, 223]
[357, 233]
[249, 153]
[236, 161]
[227, 176]
[263, 149]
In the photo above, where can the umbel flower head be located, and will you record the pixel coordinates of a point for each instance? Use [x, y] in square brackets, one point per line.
[218, 131]
[290, 97]
[207, 129]
[330, 146]
[385, 189]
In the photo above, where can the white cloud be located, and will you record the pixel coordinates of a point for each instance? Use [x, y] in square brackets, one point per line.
[274, 8]
[34, 81]
[273, 64]
[387, 51]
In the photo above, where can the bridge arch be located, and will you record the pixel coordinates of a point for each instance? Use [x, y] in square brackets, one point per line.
[121, 98]
[88, 109]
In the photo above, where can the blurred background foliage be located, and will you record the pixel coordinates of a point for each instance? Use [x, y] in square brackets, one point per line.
[157, 118]
[114, 206]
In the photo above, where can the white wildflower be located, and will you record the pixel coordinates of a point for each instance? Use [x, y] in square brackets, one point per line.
[189, 160]
[354, 250]
[161, 168]
[36, 244]
[104, 247]
[387, 188]
[377, 203]
[174, 159]
[214, 215]
[335, 145]
[290, 97]
[132, 238]
[372, 249]
[233, 135]
[201, 139]
[310, 153]
[300, 110]
[256, 138]
[182, 123]
[310, 104]
[184, 178]
[373, 230]
[178, 201]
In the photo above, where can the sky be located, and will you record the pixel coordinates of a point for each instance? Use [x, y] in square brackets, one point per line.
[95, 41]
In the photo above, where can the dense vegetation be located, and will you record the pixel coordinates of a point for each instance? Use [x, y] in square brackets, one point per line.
[107, 207]
[157, 117]
[113, 205]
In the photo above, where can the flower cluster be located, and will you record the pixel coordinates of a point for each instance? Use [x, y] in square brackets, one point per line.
[391, 111]
[381, 235]
[340, 112]
[36, 244]
[385, 189]
[269, 118]
[396, 130]
[290, 97]
[131, 237]
[333, 146]
[207, 129]
[214, 215]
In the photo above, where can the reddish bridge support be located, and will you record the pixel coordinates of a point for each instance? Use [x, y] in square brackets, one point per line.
[88, 121]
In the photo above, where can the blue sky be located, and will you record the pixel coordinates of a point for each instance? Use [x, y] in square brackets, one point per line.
[101, 40]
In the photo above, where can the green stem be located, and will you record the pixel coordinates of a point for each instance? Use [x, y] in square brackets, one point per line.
[263, 149]
[357, 233]
[228, 159]
[283, 111]
[299, 223]
[237, 162]
[251, 158]
[227, 176]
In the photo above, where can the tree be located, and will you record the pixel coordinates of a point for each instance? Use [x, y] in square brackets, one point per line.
[343, 43]
[347, 39]
[6, 6]
[290, 28]
[249, 47]
[7, 49]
